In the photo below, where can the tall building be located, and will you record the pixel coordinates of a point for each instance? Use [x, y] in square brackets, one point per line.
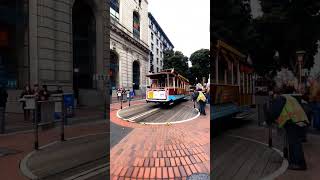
[55, 42]
[158, 42]
[129, 45]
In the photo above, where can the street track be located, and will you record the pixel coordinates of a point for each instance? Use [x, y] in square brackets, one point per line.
[155, 113]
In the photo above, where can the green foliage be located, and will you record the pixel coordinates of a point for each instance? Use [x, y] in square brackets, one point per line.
[286, 26]
[200, 65]
[291, 25]
[176, 60]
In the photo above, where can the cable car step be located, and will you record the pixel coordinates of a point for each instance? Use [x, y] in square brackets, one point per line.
[243, 115]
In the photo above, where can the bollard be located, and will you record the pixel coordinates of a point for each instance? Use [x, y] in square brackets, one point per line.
[270, 136]
[129, 96]
[121, 100]
[63, 119]
[36, 138]
[2, 119]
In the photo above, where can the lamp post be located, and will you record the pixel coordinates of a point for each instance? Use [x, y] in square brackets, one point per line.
[300, 56]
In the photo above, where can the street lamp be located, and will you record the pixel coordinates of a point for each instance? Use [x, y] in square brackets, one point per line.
[300, 56]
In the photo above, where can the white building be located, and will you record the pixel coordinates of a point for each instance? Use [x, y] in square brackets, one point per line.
[129, 44]
[158, 42]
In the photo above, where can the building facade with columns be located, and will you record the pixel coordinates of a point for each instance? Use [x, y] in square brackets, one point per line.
[129, 45]
[55, 42]
[158, 43]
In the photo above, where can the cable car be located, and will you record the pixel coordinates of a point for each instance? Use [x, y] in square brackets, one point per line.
[166, 87]
[232, 83]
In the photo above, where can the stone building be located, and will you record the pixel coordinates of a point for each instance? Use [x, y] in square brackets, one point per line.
[55, 42]
[158, 42]
[129, 45]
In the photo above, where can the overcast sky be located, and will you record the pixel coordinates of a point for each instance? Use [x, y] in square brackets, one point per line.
[185, 22]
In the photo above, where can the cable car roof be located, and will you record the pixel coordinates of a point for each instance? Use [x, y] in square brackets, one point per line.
[168, 71]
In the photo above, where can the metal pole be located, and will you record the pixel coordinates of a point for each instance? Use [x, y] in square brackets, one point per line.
[121, 99]
[36, 137]
[2, 119]
[63, 120]
[270, 136]
[129, 98]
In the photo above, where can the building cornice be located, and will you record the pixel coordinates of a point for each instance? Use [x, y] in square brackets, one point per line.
[126, 34]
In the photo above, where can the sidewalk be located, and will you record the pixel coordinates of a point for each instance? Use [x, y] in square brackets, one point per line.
[161, 151]
[23, 144]
[15, 121]
[64, 159]
[311, 151]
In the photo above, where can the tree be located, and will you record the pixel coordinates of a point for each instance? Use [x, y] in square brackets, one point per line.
[290, 25]
[176, 60]
[200, 65]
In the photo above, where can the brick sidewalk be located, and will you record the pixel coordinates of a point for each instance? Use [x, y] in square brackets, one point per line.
[167, 152]
[23, 143]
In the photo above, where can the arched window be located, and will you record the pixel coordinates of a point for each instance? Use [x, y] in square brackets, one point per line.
[114, 68]
[136, 75]
[114, 9]
[136, 24]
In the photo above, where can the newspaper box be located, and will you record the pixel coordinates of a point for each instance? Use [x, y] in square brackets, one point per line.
[68, 99]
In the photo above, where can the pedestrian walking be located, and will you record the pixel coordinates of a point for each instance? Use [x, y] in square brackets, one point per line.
[119, 94]
[200, 98]
[286, 111]
[44, 93]
[26, 91]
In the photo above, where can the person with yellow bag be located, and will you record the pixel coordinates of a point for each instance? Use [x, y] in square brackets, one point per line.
[201, 100]
[286, 111]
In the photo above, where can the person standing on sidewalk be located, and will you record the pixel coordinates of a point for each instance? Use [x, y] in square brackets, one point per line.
[286, 111]
[201, 100]
[26, 112]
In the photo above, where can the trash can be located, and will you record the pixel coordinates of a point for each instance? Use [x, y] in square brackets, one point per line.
[68, 100]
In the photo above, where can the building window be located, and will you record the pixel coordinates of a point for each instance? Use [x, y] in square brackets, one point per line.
[136, 24]
[152, 36]
[161, 54]
[160, 45]
[157, 60]
[136, 75]
[157, 42]
[152, 46]
[114, 9]
[157, 51]
[157, 69]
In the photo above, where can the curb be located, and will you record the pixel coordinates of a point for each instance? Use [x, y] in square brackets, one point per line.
[23, 163]
[163, 123]
[278, 172]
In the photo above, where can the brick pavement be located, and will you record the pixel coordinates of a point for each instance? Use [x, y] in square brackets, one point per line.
[161, 151]
[23, 142]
